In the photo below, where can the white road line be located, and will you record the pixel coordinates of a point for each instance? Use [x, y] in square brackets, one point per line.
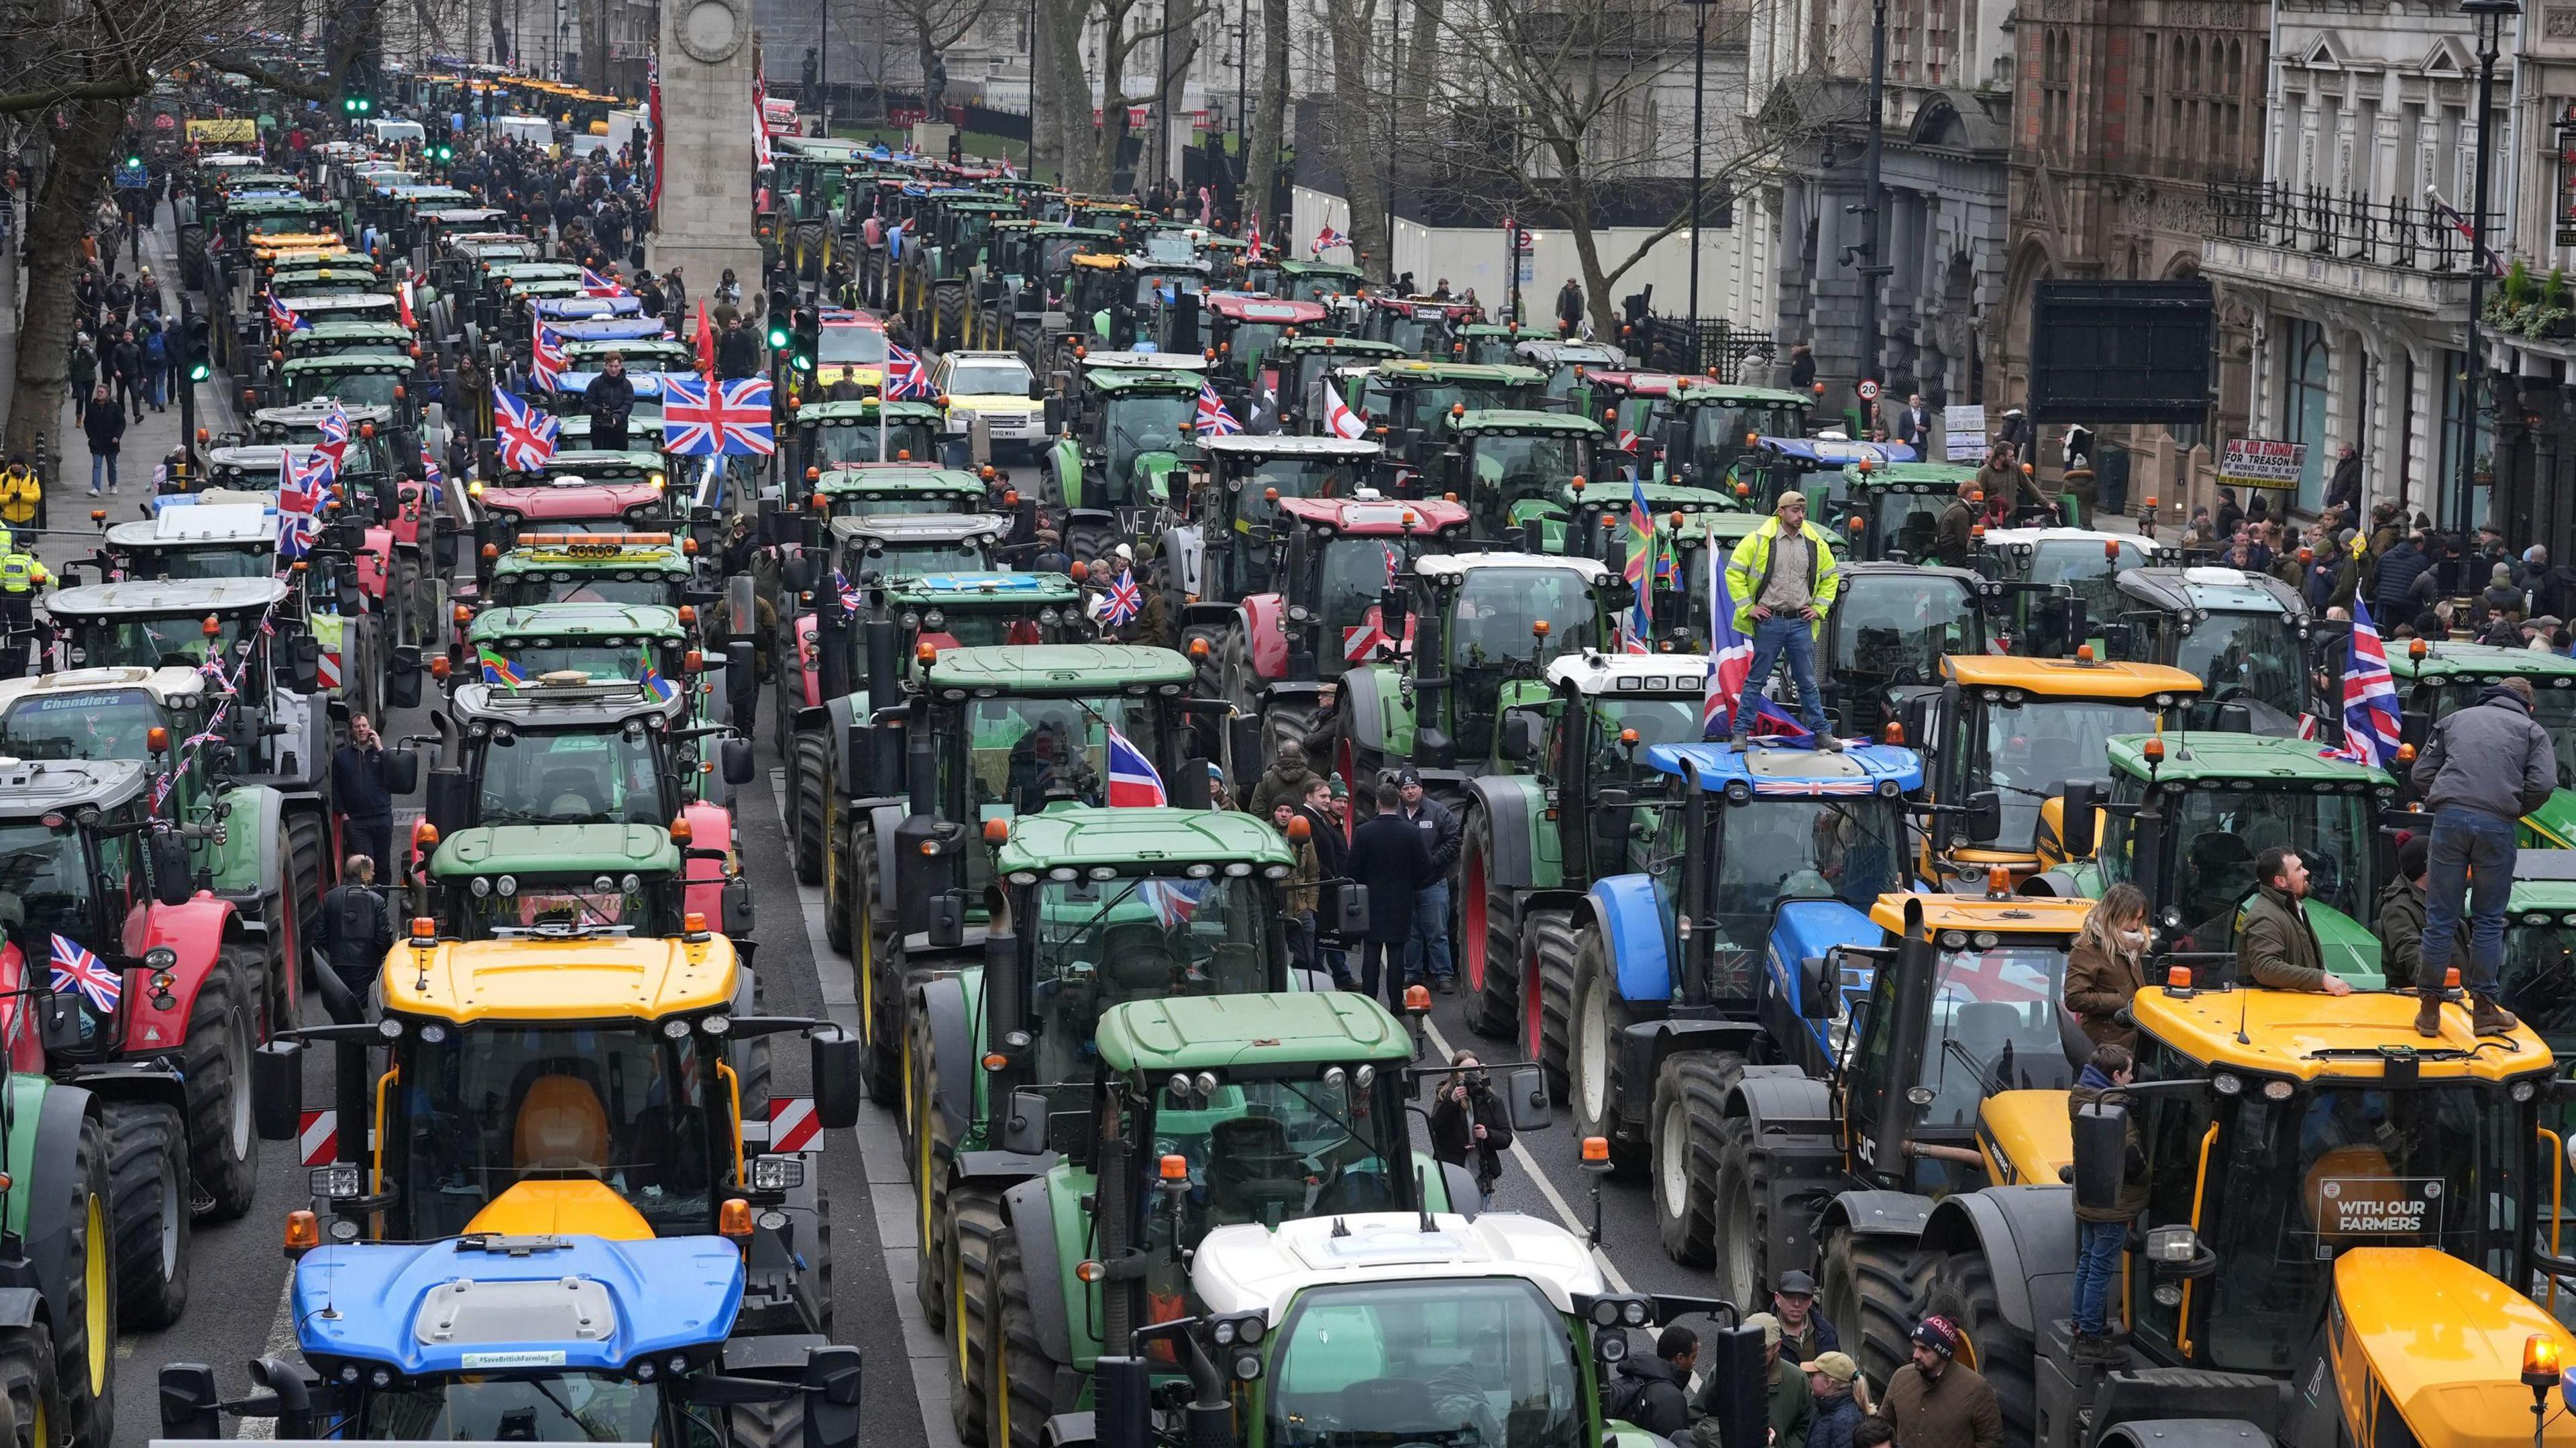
[1529, 1168]
[890, 1194]
[281, 1344]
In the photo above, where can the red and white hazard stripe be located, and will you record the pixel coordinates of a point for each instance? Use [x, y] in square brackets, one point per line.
[318, 1135]
[330, 669]
[1360, 642]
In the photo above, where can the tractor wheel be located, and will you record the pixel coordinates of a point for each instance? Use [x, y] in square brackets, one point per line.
[147, 1210]
[1488, 937]
[223, 1158]
[1868, 1291]
[1029, 340]
[825, 1312]
[837, 876]
[776, 1423]
[1548, 944]
[975, 1225]
[85, 1344]
[1022, 1376]
[1600, 1019]
[1690, 1092]
[1961, 1287]
[929, 1157]
[31, 1387]
[1085, 541]
[411, 610]
[1065, 360]
[881, 1052]
[1743, 1210]
[806, 780]
[752, 1076]
[1282, 721]
[948, 317]
[308, 869]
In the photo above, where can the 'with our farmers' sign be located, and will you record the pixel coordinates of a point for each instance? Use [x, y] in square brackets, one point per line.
[2250, 462]
[2358, 1208]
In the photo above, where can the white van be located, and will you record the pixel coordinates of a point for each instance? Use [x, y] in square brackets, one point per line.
[535, 130]
[395, 133]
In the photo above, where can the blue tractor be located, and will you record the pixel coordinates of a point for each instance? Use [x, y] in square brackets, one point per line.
[497, 1338]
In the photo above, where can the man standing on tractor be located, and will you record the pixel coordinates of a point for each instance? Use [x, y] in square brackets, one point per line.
[1957, 537]
[2275, 943]
[1782, 578]
[2485, 767]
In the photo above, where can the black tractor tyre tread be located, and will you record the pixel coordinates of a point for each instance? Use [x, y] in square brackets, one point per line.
[1492, 1006]
[931, 1282]
[89, 1409]
[1282, 721]
[1868, 1288]
[1022, 1375]
[1550, 940]
[31, 1386]
[777, 1423]
[1744, 1244]
[880, 1054]
[147, 1188]
[976, 1223]
[805, 776]
[308, 849]
[1697, 1083]
[1961, 1287]
[1087, 539]
[222, 1007]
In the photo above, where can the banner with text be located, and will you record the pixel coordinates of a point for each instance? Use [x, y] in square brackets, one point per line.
[1963, 434]
[2251, 462]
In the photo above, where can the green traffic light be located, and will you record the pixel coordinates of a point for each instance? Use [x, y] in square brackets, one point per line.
[777, 336]
[199, 371]
[804, 363]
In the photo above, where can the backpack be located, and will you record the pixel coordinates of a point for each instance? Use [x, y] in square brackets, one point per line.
[154, 348]
[1621, 1395]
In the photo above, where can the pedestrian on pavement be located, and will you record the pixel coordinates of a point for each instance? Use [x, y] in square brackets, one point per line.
[2108, 965]
[2483, 769]
[1389, 856]
[357, 930]
[1332, 862]
[22, 494]
[104, 424]
[1427, 952]
[1933, 1402]
[1284, 780]
[1303, 877]
[1469, 1127]
[2393, 590]
[128, 360]
[156, 364]
[1654, 1393]
[1783, 579]
[365, 801]
[1802, 367]
[1842, 1399]
[2343, 489]
[84, 376]
[1569, 307]
[1956, 537]
[2401, 918]
[2101, 1232]
[1792, 1405]
[2276, 943]
[610, 398]
[1804, 1332]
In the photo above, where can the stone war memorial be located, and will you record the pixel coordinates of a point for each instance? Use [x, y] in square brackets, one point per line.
[708, 58]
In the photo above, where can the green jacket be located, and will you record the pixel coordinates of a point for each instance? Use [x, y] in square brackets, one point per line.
[1748, 569]
[2276, 946]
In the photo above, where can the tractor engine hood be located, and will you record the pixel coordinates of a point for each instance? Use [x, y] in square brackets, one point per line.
[2440, 1342]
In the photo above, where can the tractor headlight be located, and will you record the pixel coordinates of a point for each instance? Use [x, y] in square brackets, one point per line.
[381, 1377]
[631, 884]
[432, 1033]
[2520, 1091]
[1365, 1077]
[1297, 613]
[934, 620]
[480, 888]
[160, 959]
[1611, 1346]
[1336, 1079]
[1247, 1366]
[1178, 1088]
[348, 1372]
[508, 885]
[646, 1371]
[777, 1173]
[912, 618]
[679, 1362]
[718, 1024]
[336, 1182]
[673, 1030]
[2168, 1295]
[603, 884]
[1206, 1083]
[1048, 615]
[2172, 1244]
[1222, 1334]
[2227, 1083]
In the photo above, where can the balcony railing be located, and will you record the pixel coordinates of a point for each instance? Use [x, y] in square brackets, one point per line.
[2346, 225]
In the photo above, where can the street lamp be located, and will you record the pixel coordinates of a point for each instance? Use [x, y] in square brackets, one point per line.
[1875, 269]
[2490, 17]
[1699, 117]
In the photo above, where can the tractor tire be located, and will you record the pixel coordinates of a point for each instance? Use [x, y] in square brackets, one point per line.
[976, 1225]
[928, 1156]
[1282, 721]
[1549, 940]
[411, 611]
[1021, 1376]
[1600, 1018]
[1029, 340]
[1085, 541]
[1961, 1287]
[1867, 1291]
[825, 1311]
[806, 778]
[1488, 937]
[880, 1046]
[1743, 1211]
[778, 1423]
[147, 1210]
[30, 1387]
[85, 1340]
[948, 318]
[836, 891]
[308, 871]
[1690, 1096]
[223, 1156]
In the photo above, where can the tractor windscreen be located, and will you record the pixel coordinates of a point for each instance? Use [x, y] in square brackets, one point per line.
[1356, 572]
[853, 346]
[2080, 564]
[874, 504]
[1895, 627]
[577, 776]
[1135, 937]
[497, 907]
[1657, 721]
[485, 1108]
[1271, 1150]
[2539, 980]
[1906, 523]
[1022, 754]
[128, 641]
[2553, 708]
[46, 889]
[840, 444]
[1849, 849]
[253, 560]
[975, 624]
[564, 585]
[1717, 431]
[2219, 833]
[2257, 655]
[542, 1408]
[913, 560]
[1994, 1028]
[103, 724]
[1493, 635]
[601, 660]
[1442, 1362]
[352, 389]
[2029, 748]
[1510, 469]
[1137, 425]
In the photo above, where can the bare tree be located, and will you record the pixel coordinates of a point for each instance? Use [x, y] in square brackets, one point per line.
[1060, 94]
[1269, 112]
[933, 26]
[1356, 134]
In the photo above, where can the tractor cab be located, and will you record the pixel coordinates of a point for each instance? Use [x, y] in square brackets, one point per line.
[1316, 281]
[1422, 326]
[2037, 562]
[2247, 635]
[1633, 408]
[1244, 330]
[1569, 366]
[1709, 428]
[1127, 463]
[352, 339]
[1511, 468]
[207, 539]
[534, 882]
[840, 434]
[872, 548]
[2435, 680]
[1409, 404]
[1889, 629]
[1486, 344]
[1893, 512]
[1770, 466]
[603, 502]
[643, 644]
[1246, 478]
[900, 490]
[1306, 362]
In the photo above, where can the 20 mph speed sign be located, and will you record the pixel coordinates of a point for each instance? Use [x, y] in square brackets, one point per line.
[1868, 390]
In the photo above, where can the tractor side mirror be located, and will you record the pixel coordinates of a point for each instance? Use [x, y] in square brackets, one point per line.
[1037, 388]
[1052, 413]
[734, 758]
[58, 1019]
[2101, 1152]
[740, 660]
[2075, 826]
[831, 1388]
[2119, 641]
[836, 1066]
[1346, 904]
[2234, 717]
[402, 680]
[277, 1090]
[402, 770]
[1985, 816]
[797, 573]
[1818, 979]
[191, 1408]
[735, 905]
[303, 664]
[1025, 1130]
[1525, 1098]
[946, 925]
[1521, 735]
[1391, 608]
[172, 879]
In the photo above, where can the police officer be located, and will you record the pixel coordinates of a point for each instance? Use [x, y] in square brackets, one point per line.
[20, 578]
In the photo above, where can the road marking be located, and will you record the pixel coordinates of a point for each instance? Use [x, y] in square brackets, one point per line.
[281, 1345]
[890, 1193]
[1546, 1188]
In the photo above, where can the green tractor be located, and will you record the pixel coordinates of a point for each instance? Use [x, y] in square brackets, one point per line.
[1022, 291]
[2436, 679]
[1482, 623]
[2247, 635]
[942, 255]
[58, 1341]
[1714, 426]
[641, 569]
[833, 435]
[541, 881]
[1305, 361]
[1893, 512]
[1410, 404]
[1512, 469]
[1130, 463]
[642, 644]
[1261, 1109]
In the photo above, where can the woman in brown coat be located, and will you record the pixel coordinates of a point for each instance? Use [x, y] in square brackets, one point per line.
[2108, 965]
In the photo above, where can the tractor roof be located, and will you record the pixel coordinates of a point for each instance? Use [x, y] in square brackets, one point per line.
[310, 414]
[1702, 389]
[899, 478]
[168, 596]
[1319, 268]
[865, 410]
[1149, 840]
[2312, 1037]
[482, 1304]
[1797, 773]
[1554, 352]
[1287, 445]
[1818, 453]
[920, 527]
[604, 977]
[2002, 914]
[1251, 1032]
[1377, 517]
[36, 786]
[1060, 668]
[219, 523]
[1251, 1268]
[352, 331]
[2209, 755]
[583, 462]
[571, 622]
[1158, 377]
[2482, 664]
[1350, 346]
[162, 684]
[1458, 565]
[1239, 307]
[1910, 477]
[1592, 673]
[2544, 880]
[539, 704]
[1432, 372]
[1661, 496]
[1512, 422]
[2069, 678]
[574, 551]
[957, 590]
[366, 362]
[554, 849]
[1642, 384]
[2025, 540]
[2219, 590]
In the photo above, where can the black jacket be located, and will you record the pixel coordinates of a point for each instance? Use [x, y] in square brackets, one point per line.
[105, 424]
[737, 355]
[357, 930]
[2397, 574]
[610, 399]
[358, 782]
[1664, 1404]
[1439, 826]
[1332, 848]
[1452, 1136]
[1389, 856]
[2344, 488]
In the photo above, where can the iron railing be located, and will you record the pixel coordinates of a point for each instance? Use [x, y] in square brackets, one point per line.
[1673, 344]
[2345, 225]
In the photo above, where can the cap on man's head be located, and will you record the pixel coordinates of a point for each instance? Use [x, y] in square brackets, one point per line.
[1796, 1284]
[1770, 1326]
[1408, 777]
[2413, 856]
[1835, 1365]
[1787, 498]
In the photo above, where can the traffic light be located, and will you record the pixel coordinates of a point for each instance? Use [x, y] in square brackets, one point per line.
[808, 339]
[446, 153]
[201, 349]
[133, 160]
[782, 310]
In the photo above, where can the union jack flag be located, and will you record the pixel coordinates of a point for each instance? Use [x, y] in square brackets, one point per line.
[334, 445]
[1213, 419]
[2370, 709]
[299, 500]
[546, 360]
[1133, 780]
[1327, 239]
[527, 436]
[905, 377]
[283, 318]
[595, 285]
[76, 969]
[699, 420]
[1175, 902]
[1731, 667]
[432, 476]
[1125, 601]
[849, 594]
